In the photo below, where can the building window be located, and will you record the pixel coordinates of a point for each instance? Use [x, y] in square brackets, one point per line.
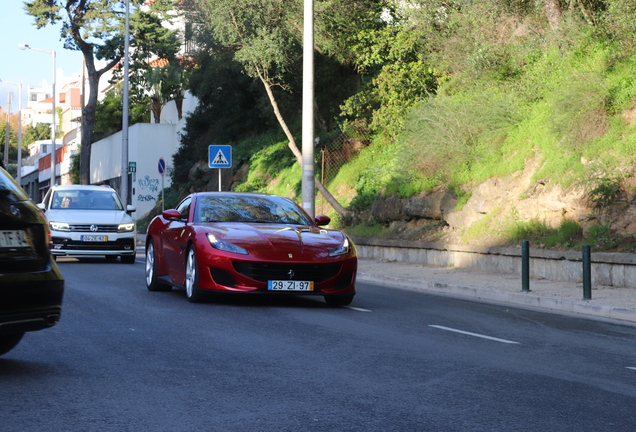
[34, 97]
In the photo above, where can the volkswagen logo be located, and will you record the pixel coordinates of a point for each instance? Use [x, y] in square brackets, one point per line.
[15, 211]
[94, 228]
[291, 274]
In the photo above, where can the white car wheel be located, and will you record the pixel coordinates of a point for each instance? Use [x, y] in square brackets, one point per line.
[192, 277]
[152, 282]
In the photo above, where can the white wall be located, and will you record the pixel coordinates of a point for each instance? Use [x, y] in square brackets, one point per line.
[146, 144]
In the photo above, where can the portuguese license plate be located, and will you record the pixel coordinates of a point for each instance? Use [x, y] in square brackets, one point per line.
[14, 239]
[286, 285]
[94, 238]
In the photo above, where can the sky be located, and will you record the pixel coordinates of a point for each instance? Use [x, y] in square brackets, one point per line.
[30, 67]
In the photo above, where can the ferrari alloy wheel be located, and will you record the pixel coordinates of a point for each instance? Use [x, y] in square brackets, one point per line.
[8, 342]
[339, 299]
[192, 277]
[152, 282]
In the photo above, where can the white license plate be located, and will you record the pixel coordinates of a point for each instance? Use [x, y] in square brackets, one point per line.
[94, 238]
[283, 285]
[14, 239]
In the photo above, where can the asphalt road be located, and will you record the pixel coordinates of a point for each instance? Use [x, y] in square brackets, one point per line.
[125, 359]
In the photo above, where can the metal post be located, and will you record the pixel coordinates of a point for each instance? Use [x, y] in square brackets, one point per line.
[124, 121]
[322, 175]
[308, 187]
[53, 130]
[19, 175]
[587, 273]
[525, 266]
[219, 179]
[6, 132]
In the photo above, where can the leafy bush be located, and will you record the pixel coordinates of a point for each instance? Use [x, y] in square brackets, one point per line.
[603, 186]
[444, 132]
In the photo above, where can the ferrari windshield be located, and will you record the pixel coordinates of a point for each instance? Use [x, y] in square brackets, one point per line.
[249, 208]
[80, 199]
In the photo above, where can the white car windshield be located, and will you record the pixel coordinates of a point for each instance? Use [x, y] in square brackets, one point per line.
[85, 200]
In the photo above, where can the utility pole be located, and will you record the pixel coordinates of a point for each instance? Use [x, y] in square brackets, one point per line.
[124, 121]
[308, 188]
[53, 130]
[6, 132]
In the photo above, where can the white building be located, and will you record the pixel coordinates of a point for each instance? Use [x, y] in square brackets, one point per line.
[147, 143]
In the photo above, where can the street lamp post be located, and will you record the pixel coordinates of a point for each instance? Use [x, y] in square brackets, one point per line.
[124, 120]
[6, 129]
[19, 176]
[53, 131]
[309, 177]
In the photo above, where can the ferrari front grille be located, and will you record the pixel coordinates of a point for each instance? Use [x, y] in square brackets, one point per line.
[264, 272]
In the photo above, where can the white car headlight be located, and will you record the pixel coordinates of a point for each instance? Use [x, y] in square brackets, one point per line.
[126, 227]
[225, 246]
[59, 226]
[343, 249]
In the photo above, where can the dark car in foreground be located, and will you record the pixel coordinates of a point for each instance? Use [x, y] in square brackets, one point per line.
[248, 243]
[31, 285]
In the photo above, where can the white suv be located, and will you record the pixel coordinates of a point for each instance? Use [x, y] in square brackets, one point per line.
[90, 220]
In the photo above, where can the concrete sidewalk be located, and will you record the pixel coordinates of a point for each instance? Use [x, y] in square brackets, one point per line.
[607, 302]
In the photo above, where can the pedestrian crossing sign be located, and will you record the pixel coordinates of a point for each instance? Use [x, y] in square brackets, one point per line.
[220, 156]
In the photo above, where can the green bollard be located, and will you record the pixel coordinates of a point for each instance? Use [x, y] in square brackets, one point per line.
[587, 273]
[525, 266]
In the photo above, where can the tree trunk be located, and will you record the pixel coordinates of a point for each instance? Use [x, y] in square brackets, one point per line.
[88, 110]
[299, 157]
[88, 124]
[553, 13]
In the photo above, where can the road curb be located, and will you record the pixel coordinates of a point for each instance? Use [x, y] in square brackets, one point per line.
[513, 298]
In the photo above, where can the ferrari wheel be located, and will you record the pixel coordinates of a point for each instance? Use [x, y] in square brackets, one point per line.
[192, 277]
[339, 299]
[8, 342]
[152, 282]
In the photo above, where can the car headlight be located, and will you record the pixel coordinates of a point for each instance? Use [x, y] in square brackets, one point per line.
[343, 249]
[59, 226]
[225, 246]
[126, 227]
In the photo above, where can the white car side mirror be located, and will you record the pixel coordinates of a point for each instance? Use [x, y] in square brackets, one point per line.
[131, 209]
[41, 206]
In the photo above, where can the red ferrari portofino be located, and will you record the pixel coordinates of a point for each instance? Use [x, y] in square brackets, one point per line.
[243, 242]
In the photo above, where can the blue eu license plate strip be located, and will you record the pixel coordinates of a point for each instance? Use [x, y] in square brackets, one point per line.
[283, 285]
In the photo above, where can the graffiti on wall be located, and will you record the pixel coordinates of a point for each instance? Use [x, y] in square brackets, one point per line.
[147, 185]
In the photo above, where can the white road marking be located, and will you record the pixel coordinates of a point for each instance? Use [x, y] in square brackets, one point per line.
[474, 334]
[632, 368]
[358, 309]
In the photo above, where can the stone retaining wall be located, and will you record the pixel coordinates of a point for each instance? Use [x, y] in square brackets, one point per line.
[608, 269]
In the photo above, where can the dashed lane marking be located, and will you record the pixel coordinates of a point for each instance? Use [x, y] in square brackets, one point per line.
[474, 334]
[357, 309]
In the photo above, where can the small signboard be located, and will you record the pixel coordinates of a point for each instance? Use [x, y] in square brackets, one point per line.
[132, 167]
[162, 166]
[220, 156]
